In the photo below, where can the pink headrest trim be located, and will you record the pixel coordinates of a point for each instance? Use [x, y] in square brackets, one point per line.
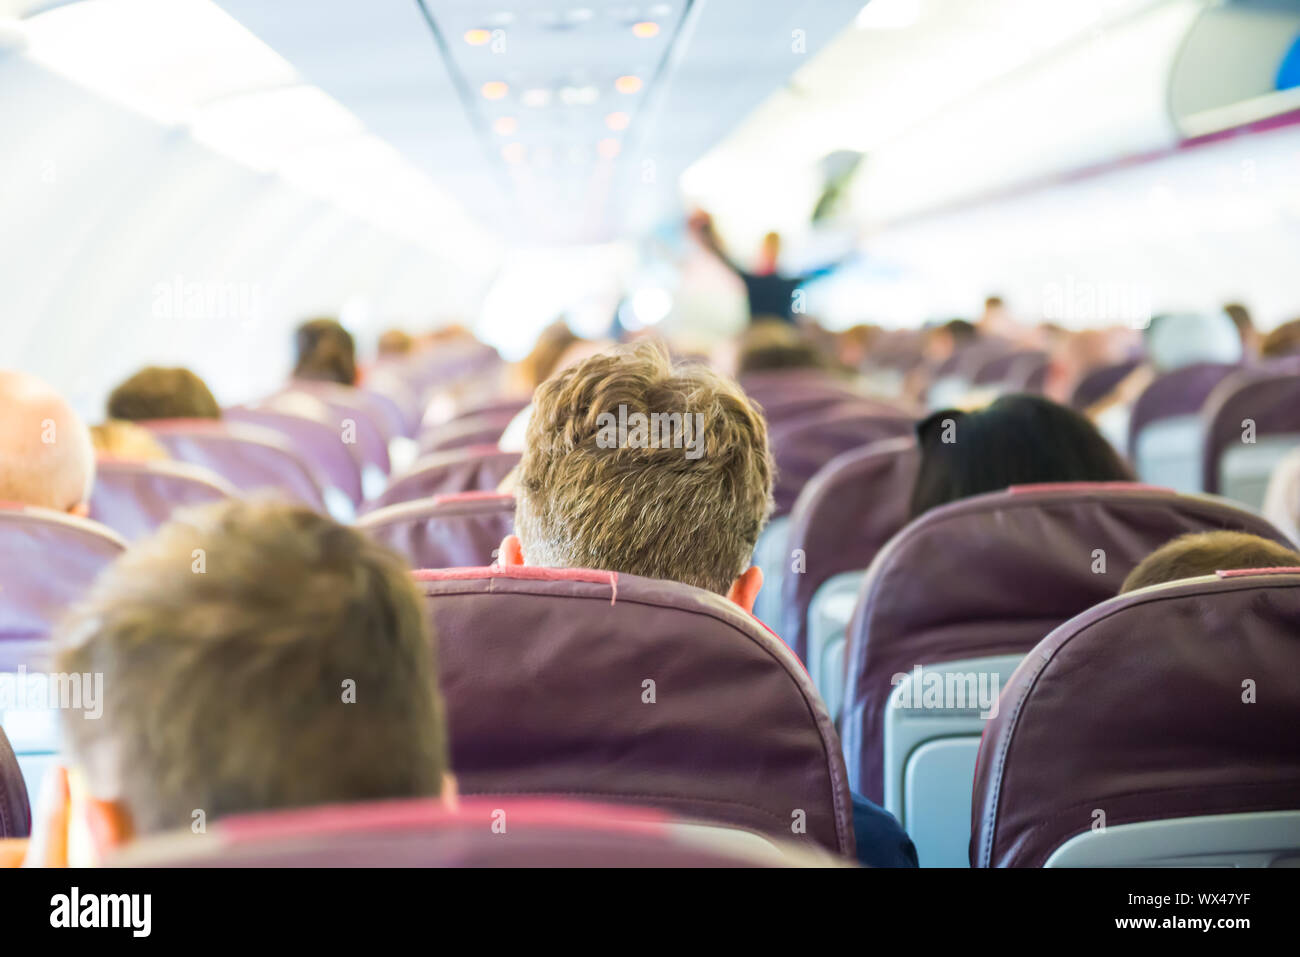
[1244, 572]
[1085, 487]
[528, 572]
[476, 496]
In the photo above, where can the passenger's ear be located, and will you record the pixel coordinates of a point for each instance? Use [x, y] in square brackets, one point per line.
[81, 510]
[512, 553]
[744, 590]
[450, 792]
[109, 823]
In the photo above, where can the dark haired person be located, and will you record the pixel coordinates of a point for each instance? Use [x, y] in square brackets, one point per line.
[325, 352]
[1017, 440]
[157, 392]
[1204, 553]
[226, 687]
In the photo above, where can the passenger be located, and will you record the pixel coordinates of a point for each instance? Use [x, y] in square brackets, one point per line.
[767, 345]
[1250, 337]
[295, 670]
[1282, 342]
[162, 393]
[557, 348]
[394, 343]
[46, 456]
[325, 352]
[1017, 440]
[689, 512]
[1282, 497]
[126, 442]
[1204, 553]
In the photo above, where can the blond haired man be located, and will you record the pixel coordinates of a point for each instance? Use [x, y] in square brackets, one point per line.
[636, 465]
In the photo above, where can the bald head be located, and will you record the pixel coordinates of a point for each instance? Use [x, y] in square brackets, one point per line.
[46, 456]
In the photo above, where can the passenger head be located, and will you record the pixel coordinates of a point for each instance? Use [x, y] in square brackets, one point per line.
[161, 393]
[538, 366]
[126, 441]
[395, 342]
[1282, 342]
[944, 340]
[772, 344]
[1204, 553]
[635, 465]
[255, 656]
[46, 456]
[1240, 317]
[1017, 440]
[325, 352]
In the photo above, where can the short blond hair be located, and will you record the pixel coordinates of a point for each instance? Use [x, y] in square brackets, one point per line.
[654, 510]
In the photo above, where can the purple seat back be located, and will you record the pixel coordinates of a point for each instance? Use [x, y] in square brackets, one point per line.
[346, 404]
[1268, 398]
[424, 833]
[992, 575]
[333, 463]
[135, 498]
[1098, 383]
[633, 690]
[15, 811]
[801, 446]
[449, 531]
[48, 560]
[1178, 392]
[787, 394]
[1012, 369]
[1135, 706]
[393, 399]
[251, 458]
[842, 518]
[468, 431]
[479, 469]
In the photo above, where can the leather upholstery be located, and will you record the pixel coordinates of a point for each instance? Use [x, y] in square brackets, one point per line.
[1137, 708]
[1178, 392]
[545, 677]
[1270, 399]
[992, 575]
[135, 498]
[15, 810]
[478, 469]
[445, 532]
[316, 440]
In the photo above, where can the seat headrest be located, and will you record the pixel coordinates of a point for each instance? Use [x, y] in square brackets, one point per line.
[1180, 392]
[619, 688]
[135, 498]
[1172, 701]
[1270, 400]
[489, 831]
[476, 469]
[448, 531]
[48, 560]
[993, 574]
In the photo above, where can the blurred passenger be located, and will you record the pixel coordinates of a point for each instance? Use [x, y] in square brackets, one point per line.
[46, 456]
[1250, 337]
[394, 343]
[768, 345]
[126, 442]
[1282, 342]
[296, 671]
[1204, 553]
[1017, 440]
[556, 350]
[629, 506]
[1282, 499]
[162, 393]
[325, 352]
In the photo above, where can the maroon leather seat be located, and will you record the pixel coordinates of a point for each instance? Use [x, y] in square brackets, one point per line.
[632, 690]
[992, 575]
[251, 458]
[490, 831]
[802, 445]
[478, 469]
[354, 409]
[135, 498]
[448, 531]
[1098, 383]
[313, 435]
[842, 518]
[48, 560]
[15, 810]
[468, 431]
[1179, 392]
[1268, 398]
[1137, 708]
